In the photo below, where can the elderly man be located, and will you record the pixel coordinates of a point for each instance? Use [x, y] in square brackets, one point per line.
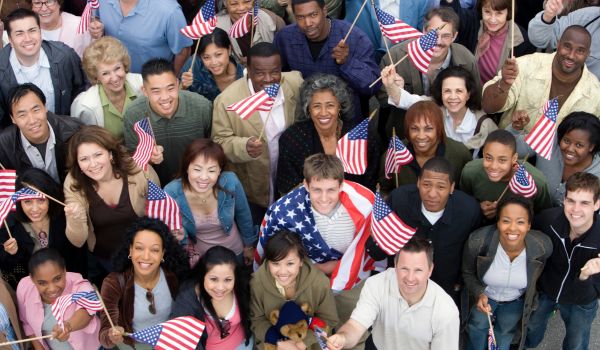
[254, 160]
[526, 83]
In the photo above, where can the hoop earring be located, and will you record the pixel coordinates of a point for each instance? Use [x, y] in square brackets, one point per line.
[129, 256]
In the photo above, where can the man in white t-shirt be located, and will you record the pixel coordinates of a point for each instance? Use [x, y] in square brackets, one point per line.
[404, 307]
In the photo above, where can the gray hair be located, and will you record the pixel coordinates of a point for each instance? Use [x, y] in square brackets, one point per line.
[319, 82]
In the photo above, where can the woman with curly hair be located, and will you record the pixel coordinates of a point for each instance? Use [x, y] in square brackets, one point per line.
[105, 191]
[140, 293]
[218, 294]
[327, 113]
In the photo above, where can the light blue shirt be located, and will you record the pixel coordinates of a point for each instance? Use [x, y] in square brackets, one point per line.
[150, 29]
[38, 74]
[6, 327]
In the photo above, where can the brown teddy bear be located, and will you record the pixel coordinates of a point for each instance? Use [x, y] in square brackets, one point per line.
[291, 322]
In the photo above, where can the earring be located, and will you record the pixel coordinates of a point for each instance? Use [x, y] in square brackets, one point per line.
[129, 256]
[162, 260]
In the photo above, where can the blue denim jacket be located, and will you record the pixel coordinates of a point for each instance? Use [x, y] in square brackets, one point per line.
[232, 205]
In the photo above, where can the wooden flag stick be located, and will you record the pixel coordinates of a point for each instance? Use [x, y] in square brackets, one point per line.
[387, 48]
[265, 124]
[394, 65]
[2, 166]
[394, 143]
[491, 327]
[372, 114]
[252, 26]
[512, 29]
[25, 340]
[194, 55]
[355, 20]
[508, 184]
[112, 325]
[7, 229]
[47, 196]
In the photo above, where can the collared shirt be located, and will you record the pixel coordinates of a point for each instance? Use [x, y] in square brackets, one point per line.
[425, 77]
[336, 228]
[48, 161]
[391, 6]
[149, 30]
[113, 119]
[465, 130]
[506, 280]
[432, 323]
[38, 74]
[274, 126]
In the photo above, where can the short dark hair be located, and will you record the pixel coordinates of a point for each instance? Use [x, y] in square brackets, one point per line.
[511, 198]
[581, 121]
[417, 244]
[281, 244]
[323, 166]
[474, 101]
[321, 3]
[16, 93]
[446, 14]
[157, 66]
[18, 14]
[440, 165]
[218, 37]
[44, 182]
[262, 49]
[583, 181]
[496, 5]
[43, 256]
[502, 137]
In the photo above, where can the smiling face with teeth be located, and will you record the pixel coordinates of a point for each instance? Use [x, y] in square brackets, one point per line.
[26, 39]
[324, 110]
[50, 279]
[576, 148]
[203, 174]
[162, 91]
[111, 76]
[219, 281]
[95, 161]
[412, 272]
[580, 209]
[499, 161]
[287, 269]
[30, 115]
[49, 15]
[146, 252]
[513, 224]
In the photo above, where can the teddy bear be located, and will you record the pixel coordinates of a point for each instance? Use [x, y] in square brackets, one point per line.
[291, 322]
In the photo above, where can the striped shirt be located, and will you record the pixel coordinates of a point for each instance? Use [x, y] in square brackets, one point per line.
[337, 228]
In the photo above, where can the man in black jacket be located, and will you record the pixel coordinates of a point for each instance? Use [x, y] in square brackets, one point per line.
[38, 138]
[51, 65]
[570, 281]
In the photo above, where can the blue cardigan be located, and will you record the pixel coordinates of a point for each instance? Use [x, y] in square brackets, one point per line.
[232, 206]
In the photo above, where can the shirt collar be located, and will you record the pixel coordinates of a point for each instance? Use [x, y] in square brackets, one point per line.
[42, 60]
[50, 142]
[467, 125]
[446, 63]
[278, 99]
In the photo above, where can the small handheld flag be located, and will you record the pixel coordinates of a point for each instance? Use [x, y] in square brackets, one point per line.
[86, 16]
[396, 156]
[143, 151]
[522, 183]
[388, 230]
[26, 193]
[181, 333]
[161, 206]
[8, 180]
[87, 300]
[352, 149]
[241, 27]
[394, 29]
[260, 101]
[203, 24]
[541, 136]
[420, 50]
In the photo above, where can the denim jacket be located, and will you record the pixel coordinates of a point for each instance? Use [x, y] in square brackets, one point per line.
[232, 205]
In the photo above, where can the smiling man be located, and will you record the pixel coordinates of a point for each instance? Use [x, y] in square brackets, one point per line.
[38, 138]
[571, 280]
[525, 83]
[177, 117]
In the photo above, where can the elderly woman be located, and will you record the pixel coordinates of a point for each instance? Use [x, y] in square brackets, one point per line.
[140, 293]
[501, 266]
[264, 31]
[105, 191]
[327, 114]
[455, 91]
[62, 26]
[106, 63]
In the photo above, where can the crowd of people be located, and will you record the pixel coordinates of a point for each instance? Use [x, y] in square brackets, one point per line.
[275, 227]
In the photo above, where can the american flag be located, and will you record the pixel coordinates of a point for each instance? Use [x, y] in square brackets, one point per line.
[293, 212]
[420, 50]
[26, 193]
[5, 206]
[522, 183]
[260, 101]
[541, 136]
[87, 300]
[161, 206]
[396, 156]
[8, 179]
[143, 151]
[86, 16]
[352, 149]
[388, 230]
[241, 27]
[203, 24]
[492, 340]
[394, 29]
[181, 333]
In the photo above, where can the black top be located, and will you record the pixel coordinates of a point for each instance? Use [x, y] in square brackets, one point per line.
[315, 47]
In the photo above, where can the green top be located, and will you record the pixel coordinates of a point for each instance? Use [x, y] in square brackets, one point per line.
[474, 181]
[192, 120]
[113, 119]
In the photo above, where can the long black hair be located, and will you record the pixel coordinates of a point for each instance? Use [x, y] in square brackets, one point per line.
[219, 255]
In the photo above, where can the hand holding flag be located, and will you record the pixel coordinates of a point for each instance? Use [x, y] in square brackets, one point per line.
[522, 183]
[86, 16]
[541, 136]
[260, 101]
[397, 155]
[143, 151]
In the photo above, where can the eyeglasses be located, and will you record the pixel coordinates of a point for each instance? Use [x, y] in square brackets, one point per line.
[150, 298]
[40, 4]
[225, 327]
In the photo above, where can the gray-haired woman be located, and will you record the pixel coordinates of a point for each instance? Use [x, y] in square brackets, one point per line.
[327, 106]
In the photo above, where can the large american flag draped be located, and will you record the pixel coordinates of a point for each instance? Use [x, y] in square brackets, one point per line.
[293, 212]
[143, 151]
[203, 24]
[8, 180]
[541, 136]
[181, 333]
[87, 300]
[260, 101]
[522, 183]
[161, 206]
[397, 155]
[420, 50]
[352, 149]
[388, 230]
[86, 16]
[26, 193]
[393, 28]
[241, 27]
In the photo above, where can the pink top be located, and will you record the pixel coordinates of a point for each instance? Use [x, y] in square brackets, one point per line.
[488, 62]
[209, 233]
[236, 332]
[31, 312]
[68, 33]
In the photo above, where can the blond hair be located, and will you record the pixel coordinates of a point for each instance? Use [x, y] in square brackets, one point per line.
[104, 50]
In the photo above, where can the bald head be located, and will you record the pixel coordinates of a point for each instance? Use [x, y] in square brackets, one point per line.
[579, 34]
[572, 50]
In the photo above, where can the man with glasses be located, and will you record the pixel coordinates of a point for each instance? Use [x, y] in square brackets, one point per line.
[51, 65]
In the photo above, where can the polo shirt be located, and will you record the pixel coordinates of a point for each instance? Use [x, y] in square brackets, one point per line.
[432, 323]
[150, 29]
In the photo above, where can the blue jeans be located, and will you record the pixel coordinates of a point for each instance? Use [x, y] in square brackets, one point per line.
[507, 317]
[577, 318]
